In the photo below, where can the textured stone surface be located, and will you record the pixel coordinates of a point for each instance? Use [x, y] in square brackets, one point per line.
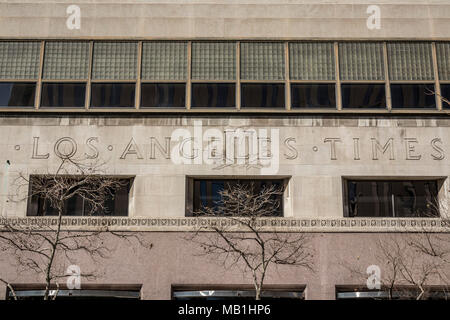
[303, 152]
[289, 19]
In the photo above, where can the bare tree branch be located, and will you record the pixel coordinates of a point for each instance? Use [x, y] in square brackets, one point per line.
[235, 236]
[45, 249]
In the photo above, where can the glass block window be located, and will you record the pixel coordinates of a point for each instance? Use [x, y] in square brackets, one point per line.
[115, 61]
[361, 61]
[262, 61]
[443, 60]
[19, 60]
[410, 61]
[312, 61]
[66, 60]
[164, 60]
[214, 60]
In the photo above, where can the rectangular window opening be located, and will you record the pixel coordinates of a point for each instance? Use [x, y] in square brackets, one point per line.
[207, 193]
[163, 95]
[363, 96]
[17, 94]
[113, 95]
[213, 95]
[263, 95]
[413, 96]
[115, 202]
[314, 95]
[63, 95]
[392, 198]
[208, 294]
[445, 96]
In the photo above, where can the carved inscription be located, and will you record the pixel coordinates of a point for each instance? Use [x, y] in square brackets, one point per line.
[247, 147]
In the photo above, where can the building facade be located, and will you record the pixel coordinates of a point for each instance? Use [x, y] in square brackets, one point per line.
[344, 103]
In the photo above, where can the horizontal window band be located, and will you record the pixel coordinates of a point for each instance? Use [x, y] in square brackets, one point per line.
[229, 294]
[214, 81]
[18, 80]
[163, 81]
[65, 81]
[85, 293]
[333, 111]
[412, 82]
[113, 81]
[364, 82]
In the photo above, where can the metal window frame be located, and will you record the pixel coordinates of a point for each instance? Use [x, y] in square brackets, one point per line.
[383, 294]
[81, 293]
[287, 82]
[440, 181]
[236, 294]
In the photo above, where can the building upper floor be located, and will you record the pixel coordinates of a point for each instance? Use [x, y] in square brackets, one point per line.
[225, 76]
[349, 173]
[219, 19]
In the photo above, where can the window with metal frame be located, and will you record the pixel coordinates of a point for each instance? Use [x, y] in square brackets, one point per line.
[75, 294]
[266, 75]
[204, 193]
[19, 72]
[115, 204]
[236, 294]
[213, 74]
[164, 74]
[262, 72]
[114, 74]
[398, 293]
[391, 198]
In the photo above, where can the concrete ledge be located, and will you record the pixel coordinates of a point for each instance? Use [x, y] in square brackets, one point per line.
[184, 224]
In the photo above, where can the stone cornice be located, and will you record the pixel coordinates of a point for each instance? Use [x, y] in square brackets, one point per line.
[186, 224]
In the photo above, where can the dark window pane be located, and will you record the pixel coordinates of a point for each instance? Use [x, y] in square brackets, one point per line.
[17, 94]
[313, 96]
[445, 93]
[363, 96]
[217, 295]
[413, 96]
[207, 192]
[112, 95]
[63, 94]
[262, 95]
[369, 199]
[414, 198]
[213, 95]
[115, 204]
[163, 95]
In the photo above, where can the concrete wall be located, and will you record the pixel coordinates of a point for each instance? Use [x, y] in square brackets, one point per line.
[255, 19]
[173, 262]
[315, 152]
[421, 146]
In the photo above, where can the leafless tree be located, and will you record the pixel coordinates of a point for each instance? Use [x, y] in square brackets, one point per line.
[412, 263]
[46, 248]
[236, 233]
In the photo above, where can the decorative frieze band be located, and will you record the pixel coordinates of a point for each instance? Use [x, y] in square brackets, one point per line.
[185, 224]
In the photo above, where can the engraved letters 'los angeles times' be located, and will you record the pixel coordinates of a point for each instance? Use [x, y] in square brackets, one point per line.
[292, 149]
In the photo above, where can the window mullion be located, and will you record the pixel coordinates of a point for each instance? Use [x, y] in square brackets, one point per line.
[238, 75]
[337, 77]
[137, 93]
[286, 77]
[37, 101]
[437, 87]
[88, 85]
[188, 80]
[386, 77]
